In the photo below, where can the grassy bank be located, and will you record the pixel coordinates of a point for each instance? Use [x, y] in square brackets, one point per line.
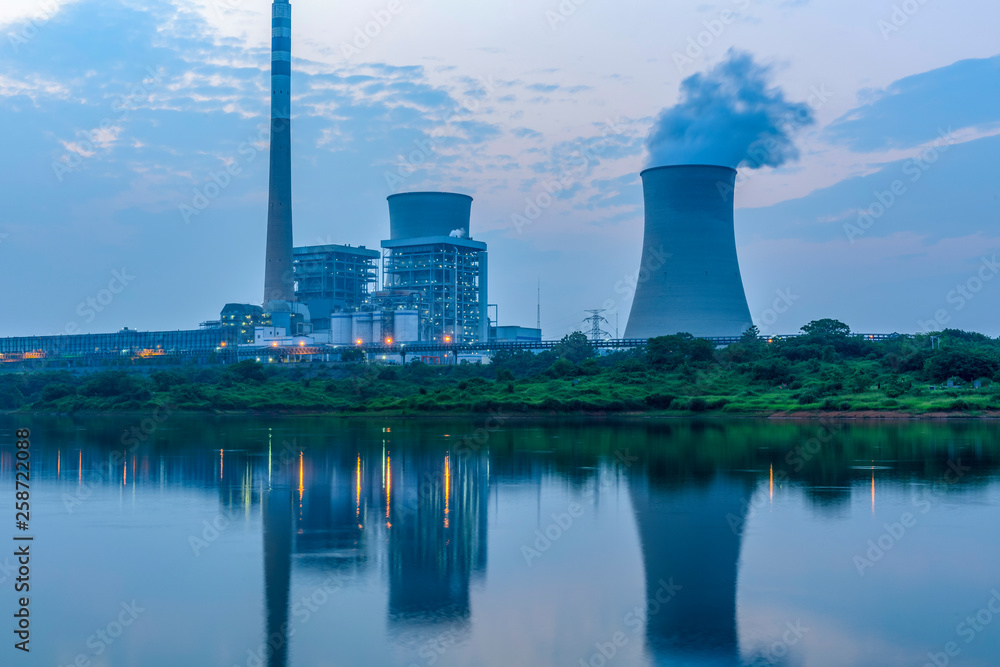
[825, 370]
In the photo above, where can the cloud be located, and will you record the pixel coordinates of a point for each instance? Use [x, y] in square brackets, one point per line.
[913, 110]
[730, 116]
[940, 191]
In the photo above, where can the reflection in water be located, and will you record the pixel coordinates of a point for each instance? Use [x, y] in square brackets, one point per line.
[687, 542]
[276, 515]
[409, 506]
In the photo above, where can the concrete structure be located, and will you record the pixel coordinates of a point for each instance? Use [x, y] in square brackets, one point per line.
[293, 317]
[689, 279]
[431, 259]
[278, 280]
[419, 214]
[334, 278]
[366, 328]
[342, 329]
[510, 333]
[406, 326]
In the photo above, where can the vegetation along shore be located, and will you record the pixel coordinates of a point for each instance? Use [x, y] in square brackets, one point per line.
[826, 370]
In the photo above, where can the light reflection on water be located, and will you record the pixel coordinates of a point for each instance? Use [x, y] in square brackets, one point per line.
[375, 542]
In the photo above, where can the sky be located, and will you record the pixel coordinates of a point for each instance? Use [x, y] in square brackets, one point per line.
[123, 116]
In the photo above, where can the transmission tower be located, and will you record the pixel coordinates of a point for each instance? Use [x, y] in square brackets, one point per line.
[595, 320]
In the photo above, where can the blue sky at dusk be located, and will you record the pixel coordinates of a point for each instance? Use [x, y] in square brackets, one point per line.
[121, 116]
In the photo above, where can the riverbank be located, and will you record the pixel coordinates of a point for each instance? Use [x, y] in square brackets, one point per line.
[825, 373]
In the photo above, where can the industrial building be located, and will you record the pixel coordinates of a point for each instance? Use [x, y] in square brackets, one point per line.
[244, 318]
[515, 333]
[431, 262]
[689, 279]
[125, 346]
[334, 278]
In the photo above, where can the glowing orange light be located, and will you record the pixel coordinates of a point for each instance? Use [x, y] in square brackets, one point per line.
[873, 491]
[357, 490]
[302, 343]
[388, 341]
[447, 339]
[220, 464]
[79, 478]
[772, 482]
[358, 341]
[447, 489]
[58, 463]
[302, 487]
[125, 474]
[388, 488]
[223, 343]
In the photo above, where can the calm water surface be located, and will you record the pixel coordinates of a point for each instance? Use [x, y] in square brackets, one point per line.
[314, 542]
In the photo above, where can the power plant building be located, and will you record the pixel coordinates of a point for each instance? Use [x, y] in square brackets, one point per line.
[689, 279]
[244, 318]
[431, 264]
[334, 278]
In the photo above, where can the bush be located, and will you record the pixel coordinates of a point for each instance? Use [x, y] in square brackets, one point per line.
[248, 372]
[698, 404]
[660, 401]
[808, 397]
[165, 380]
[562, 368]
[54, 392]
[11, 397]
[108, 384]
[897, 386]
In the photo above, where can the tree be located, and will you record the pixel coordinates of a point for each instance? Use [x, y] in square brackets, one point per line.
[248, 371]
[751, 336]
[967, 364]
[827, 327]
[670, 351]
[574, 347]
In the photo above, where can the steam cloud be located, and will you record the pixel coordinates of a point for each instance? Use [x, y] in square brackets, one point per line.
[457, 233]
[729, 116]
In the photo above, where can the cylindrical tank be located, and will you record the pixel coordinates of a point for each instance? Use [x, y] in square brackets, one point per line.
[407, 326]
[361, 327]
[342, 329]
[421, 214]
[689, 279]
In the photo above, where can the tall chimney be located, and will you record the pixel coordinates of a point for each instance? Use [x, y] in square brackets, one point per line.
[689, 280]
[278, 281]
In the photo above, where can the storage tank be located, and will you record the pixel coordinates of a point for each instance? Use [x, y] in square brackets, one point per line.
[421, 214]
[407, 326]
[689, 279]
[342, 329]
[361, 328]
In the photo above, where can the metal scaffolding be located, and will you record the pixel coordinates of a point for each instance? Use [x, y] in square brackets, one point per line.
[450, 277]
[329, 278]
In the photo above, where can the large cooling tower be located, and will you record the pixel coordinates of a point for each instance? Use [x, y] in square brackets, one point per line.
[422, 214]
[689, 280]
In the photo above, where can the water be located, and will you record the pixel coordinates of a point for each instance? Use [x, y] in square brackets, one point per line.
[475, 542]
